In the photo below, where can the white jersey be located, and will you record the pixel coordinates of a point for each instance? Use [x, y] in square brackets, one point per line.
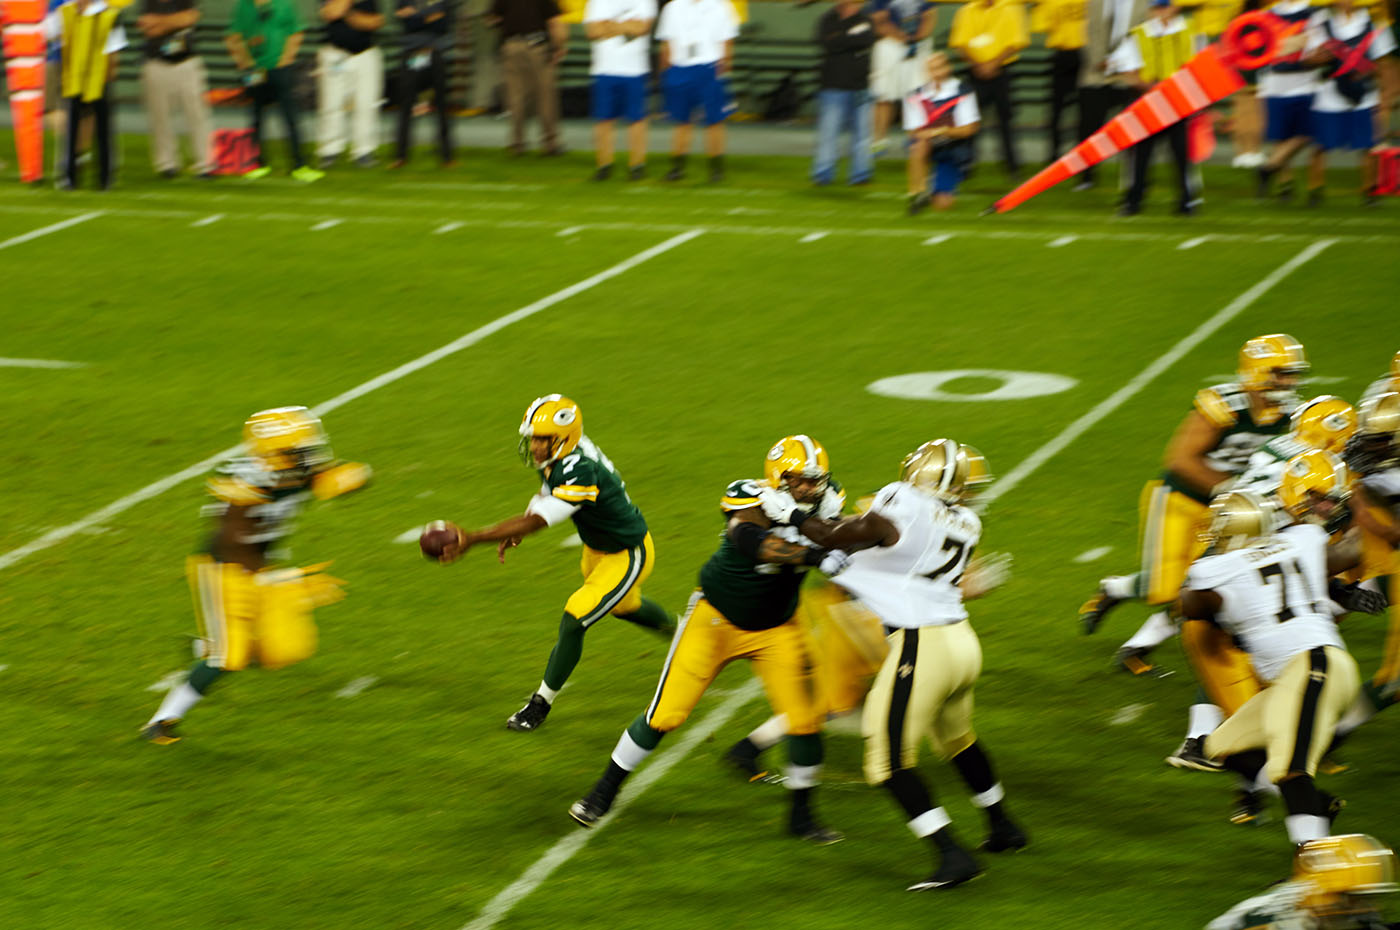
[1273, 596]
[916, 581]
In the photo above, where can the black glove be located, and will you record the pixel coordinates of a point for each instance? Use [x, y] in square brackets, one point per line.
[1356, 599]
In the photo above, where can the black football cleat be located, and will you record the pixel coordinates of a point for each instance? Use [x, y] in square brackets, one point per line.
[1005, 836]
[1191, 754]
[1134, 660]
[816, 834]
[1248, 808]
[530, 716]
[162, 732]
[743, 756]
[957, 867]
[1093, 611]
[588, 811]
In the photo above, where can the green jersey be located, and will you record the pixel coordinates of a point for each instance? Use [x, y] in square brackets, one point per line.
[758, 595]
[1228, 408]
[585, 487]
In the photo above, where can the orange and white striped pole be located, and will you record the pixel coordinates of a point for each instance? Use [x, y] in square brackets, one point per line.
[22, 38]
[1249, 42]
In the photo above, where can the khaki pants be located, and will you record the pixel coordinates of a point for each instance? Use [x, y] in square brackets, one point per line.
[166, 85]
[348, 81]
[530, 78]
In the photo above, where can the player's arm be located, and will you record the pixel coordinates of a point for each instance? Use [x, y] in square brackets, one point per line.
[235, 525]
[868, 530]
[1365, 517]
[1200, 604]
[1186, 453]
[1344, 553]
[508, 532]
[748, 531]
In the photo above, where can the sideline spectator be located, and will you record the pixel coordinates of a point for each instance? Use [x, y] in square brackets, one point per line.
[534, 38]
[1102, 94]
[697, 51]
[846, 35]
[620, 31]
[897, 60]
[89, 39]
[941, 118]
[173, 75]
[989, 35]
[1346, 111]
[349, 68]
[264, 39]
[427, 26]
[1150, 53]
[1066, 27]
[1287, 86]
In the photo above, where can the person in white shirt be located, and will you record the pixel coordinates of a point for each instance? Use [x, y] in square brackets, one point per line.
[1345, 112]
[697, 52]
[941, 117]
[911, 564]
[620, 31]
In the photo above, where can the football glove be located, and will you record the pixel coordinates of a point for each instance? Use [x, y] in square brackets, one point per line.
[834, 562]
[1356, 599]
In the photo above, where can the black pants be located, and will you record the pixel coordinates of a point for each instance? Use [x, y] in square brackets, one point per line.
[277, 88]
[411, 84]
[1175, 136]
[101, 139]
[997, 91]
[1064, 78]
[1096, 104]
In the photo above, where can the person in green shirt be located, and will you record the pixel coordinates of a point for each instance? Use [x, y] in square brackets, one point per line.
[264, 39]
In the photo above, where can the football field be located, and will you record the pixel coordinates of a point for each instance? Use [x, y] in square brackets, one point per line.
[375, 786]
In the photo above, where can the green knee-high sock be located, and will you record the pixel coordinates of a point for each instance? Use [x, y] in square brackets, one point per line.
[203, 675]
[566, 652]
[652, 616]
[644, 735]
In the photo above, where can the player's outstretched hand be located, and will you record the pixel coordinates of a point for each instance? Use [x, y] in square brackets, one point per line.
[510, 542]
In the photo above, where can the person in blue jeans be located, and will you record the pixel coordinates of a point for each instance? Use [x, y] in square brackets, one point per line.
[846, 35]
[941, 118]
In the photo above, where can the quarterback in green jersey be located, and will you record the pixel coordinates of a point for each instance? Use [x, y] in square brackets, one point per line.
[579, 484]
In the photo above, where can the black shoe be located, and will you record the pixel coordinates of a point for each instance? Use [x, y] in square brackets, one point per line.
[603, 173]
[367, 161]
[1134, 660]
[1248, 809]
[957, 867]
[162, 732]
[816, 834]
[554, 151]
[1370, 198]
[1083, 184]
[530, 716]
[1005, 836]
[636, 172]
[1191, 754]
[919, 203]
[1093, 611]
[675, 174]
[716, 171]
[1315, 197]
[1185, 209]
[588, 811]
[1129, 209]
[1285, 191]
[743, 756]
[1266, 175]
[170, 174]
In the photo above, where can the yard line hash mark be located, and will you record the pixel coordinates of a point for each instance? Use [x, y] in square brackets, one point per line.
[51, 228]
[1093, 555]
[447, 228]
[938, 239]
[569, 231]
[357, 686]
[38, 363]
[1192, 243]
[326, 224]
[156, 488]
[814, 236]
[1060, 242]
[1127, 714]
[208, 220]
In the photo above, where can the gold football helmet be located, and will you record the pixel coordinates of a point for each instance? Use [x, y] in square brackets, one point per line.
[947, 469]
[289, 441]
[797, 455]
[1325, 422]
[1270, 366]
[556, 417]
[1315, 489]
[1238, 519]
[1395, 369]
[1337, 867]
[1376, 443]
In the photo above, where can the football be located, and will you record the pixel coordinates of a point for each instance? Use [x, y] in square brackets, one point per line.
[435, 538]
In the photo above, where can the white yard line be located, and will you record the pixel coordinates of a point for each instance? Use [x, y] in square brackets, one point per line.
[814, 236]
[38, 363]
[447, 228]
[51, 228]
[122, 504]
[1093, 555]
[938, 239]
[357, 686]
[1127, 714]
[326, 224]
[1061, 242]
[1082, 425]
[1192, 243]
[569, 231]
[637, 785]
[209, 220]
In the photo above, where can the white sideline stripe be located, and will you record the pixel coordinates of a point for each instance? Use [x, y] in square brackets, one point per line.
[326, 224]
[938, 239]
[569, 231]
[1127, 714]
[1082, 425]
[1061, 242]
[38, 363]
[637, 785]
[1192, 243]
[51, 228]
[208, 220]
[1094, 554]
[357, 686]
[157, 488]
[447, 228]
[814, 236]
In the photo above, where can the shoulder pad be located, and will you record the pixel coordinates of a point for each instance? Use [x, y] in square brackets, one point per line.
[1221, 404]
[242, 482]
[742, 494]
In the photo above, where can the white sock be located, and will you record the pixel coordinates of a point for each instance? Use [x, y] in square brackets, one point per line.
[1157, 630]
[1358, 713]
[1203, 719]
[548, 693]
[1122, 587]
[1304, 827]
[992, 795]
[801, 776]
[628, 754]
[930, 822]
[770, 732]
[177, 703]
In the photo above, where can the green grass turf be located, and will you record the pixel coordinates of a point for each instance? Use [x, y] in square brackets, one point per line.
[410, 805]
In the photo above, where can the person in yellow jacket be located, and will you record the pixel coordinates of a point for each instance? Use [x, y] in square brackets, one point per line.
[1066, 27]
[89, 38]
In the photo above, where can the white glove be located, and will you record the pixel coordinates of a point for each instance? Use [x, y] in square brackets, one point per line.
[834, 563]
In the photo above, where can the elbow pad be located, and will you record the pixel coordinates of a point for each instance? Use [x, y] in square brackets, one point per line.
[747, 537]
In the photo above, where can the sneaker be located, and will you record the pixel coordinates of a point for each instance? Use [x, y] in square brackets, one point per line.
[162, 732]
[1315, 197]
[1248, 809]
[170, 174]
[636, 172]
[743, 756]
[918, 203]
[1086, 184]
[588, 811]
[1134, 660]
[603, 173]
[530, 716]
[1129, 209]
[257, 173]
[816, 834]
[1005, 836]
[367, 161]
[307, 174]
[1093, 611]
[1185, 209]
[327, 161]
[1191, 754]
[956, 867]
[716, 174]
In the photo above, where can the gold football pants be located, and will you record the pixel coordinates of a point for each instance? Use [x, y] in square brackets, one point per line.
[1171, 525]
[612, 582]
[848, 646]
[1222, 669]
[248, 616]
